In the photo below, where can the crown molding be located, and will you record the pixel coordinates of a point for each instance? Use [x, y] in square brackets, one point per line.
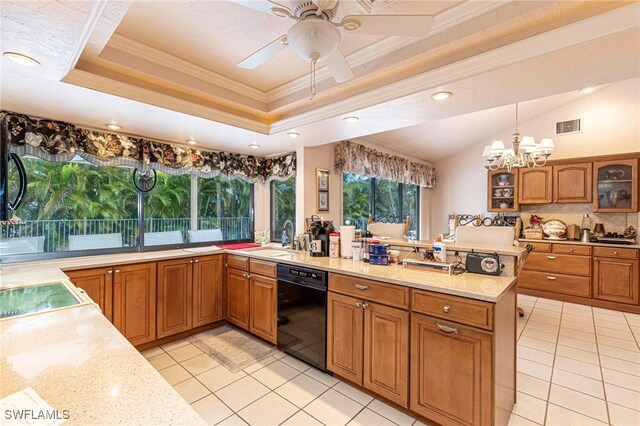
[142, 51]
[89, 26]
[609, 23]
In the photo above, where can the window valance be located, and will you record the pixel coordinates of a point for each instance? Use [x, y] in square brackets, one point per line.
[59, 141]
[362, 160]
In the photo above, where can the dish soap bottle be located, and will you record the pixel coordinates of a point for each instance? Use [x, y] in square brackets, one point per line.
[440, 250]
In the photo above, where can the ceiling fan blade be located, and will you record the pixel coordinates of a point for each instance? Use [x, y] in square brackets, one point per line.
[390, 25]
[262, 5]
[339, 67]
[263, 55]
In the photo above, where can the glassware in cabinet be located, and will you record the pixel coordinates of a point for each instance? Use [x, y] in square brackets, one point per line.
[615, 186]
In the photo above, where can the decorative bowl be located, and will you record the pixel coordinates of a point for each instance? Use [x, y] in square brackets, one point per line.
[555, 229]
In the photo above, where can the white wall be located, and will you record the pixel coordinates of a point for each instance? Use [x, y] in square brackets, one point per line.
[610, 125]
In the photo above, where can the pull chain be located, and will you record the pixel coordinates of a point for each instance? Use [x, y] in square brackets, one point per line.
[313, 78]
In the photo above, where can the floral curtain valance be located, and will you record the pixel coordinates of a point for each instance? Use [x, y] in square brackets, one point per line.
[60, 141]
[359, 159]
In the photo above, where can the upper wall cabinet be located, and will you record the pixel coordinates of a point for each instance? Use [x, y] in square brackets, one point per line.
[535, 185]
[615, 186]
[572, 183]
[502, 191]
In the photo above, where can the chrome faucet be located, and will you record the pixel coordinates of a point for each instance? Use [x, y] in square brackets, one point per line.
[284, 234]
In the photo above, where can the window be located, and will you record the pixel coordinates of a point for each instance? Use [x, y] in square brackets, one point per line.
[224, 209]
[167, 210]
[283, 206]
[384, 199]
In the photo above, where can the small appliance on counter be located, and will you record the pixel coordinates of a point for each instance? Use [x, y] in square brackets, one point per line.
[627, 237]
[481, 263]
[573, 232]
[319, 231]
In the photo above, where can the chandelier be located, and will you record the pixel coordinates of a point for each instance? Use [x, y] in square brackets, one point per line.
[525, 152]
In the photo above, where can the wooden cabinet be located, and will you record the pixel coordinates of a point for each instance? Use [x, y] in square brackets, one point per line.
[98, 284]
[535, 186]
[207, 290]
[175, 296]
[501, 191]
[134, 302]
[345, 336]
[451, 372]
[572, 183]
[615, 186]
[238, 297]
[616, 279]
[263, 297]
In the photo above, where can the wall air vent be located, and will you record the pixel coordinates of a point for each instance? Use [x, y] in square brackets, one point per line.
[570, 126]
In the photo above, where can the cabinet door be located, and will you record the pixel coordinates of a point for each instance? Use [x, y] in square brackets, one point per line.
[175, 298]
[572, 183]
[207, 290]
[451, 374]
[615, 186]
[134, 301]
[345, 336]
[501, 191]
[264, 307]
[386, 352]
[615, 280]
[238, 298]
[535, 185]
[98, 284]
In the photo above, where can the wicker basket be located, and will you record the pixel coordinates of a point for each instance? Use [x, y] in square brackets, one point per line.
[533, 233]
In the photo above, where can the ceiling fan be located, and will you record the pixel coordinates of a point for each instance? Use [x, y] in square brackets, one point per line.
[316, 37]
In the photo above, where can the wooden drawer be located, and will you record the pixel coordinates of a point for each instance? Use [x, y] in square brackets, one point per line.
[615, 252]
[452, 308]
[556, 283]
[571, 249]
[539, 247]
[238, 262]
[374, 291]
[558, 263]
[261, 267]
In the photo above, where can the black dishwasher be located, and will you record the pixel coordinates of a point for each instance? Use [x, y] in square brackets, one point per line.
[302, 314]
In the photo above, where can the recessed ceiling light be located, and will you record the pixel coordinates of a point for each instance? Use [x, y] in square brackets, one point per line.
[441, 96]
[351, 119]
[21, 59]
[254, 145]
[293, 134]
[113, 126]
[192, 142]
[588, 90]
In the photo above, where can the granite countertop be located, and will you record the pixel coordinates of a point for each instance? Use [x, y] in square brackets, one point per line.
[453, 246]
[77, 361]
[580, 243]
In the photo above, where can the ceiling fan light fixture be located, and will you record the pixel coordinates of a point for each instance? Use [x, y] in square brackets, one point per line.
[113, 126]
[192, 142]
[254, 145]
[441, 96]
[313, 38]
[351, 119]
[293, 134]
[21, 59]
[351, 24]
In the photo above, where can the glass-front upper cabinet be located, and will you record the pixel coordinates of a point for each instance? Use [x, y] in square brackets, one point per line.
[502, 191]
[615, 186]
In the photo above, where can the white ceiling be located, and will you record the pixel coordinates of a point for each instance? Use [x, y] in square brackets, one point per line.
[598, 50]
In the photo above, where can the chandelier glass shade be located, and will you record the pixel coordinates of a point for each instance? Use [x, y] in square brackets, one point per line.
[524, 152]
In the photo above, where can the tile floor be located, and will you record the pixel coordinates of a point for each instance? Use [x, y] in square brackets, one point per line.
[576, 366]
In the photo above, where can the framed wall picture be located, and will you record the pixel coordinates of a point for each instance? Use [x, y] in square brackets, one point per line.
[322, 188]
[323, 201]
[322, 175]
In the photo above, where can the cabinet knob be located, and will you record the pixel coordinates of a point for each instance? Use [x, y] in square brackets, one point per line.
[446, 309]
[595, 258]
[570, 250]
[615, 253]
[191, 261]
[110, 271]
[196, 261]
[244, 274]
[358, 304]
[365, 305]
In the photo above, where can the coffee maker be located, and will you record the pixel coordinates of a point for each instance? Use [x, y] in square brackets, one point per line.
[319, 231]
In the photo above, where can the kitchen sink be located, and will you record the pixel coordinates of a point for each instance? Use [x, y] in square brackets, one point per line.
[37, 298]
[278, 254]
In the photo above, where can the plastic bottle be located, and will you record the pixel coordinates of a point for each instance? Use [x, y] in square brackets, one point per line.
[439, 250]
[334, 244]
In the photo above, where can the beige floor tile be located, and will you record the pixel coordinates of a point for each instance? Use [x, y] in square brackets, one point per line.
[610, 312]
[152, 352]
[542, 326]
[260, 364]
[241, 393]
[577, 334]
[534, 369]
[577, 317]
[353, 393]
[279, 355]
[578, 383]
[321, 377]
[578, 344]
[631, 356]
[535, 355]
[301, 390]
[578, 354]
[530, 408]
[199, 364]
[632, 319]
[618, 343]
[612, 325]
[578, 309]
[577, 325]
[275, 374]
[537, 344]
[623, 416]
[617, 334]
[559, 416]
[544, 318]
[161, 361]
[579, 402]
[532, 386]
[516, 420]
[543, 307]
[578, 367]
[218, 378]
[620, 365]
[390, 413]
[368, 417]
[185, 352]
[333, 408]
[191, 390]
[271, 409]
[174, 345]
[526, 297]
[609, 318]
[234, 420]
[211, 409]
[621, 379]
[175, 374]
[621, 396]
[301, 419]
[295, 363]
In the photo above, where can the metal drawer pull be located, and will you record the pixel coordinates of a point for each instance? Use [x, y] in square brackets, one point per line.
[551, 257]
[447, 329]
[551, 278]
[446, 309]
[362, 287]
